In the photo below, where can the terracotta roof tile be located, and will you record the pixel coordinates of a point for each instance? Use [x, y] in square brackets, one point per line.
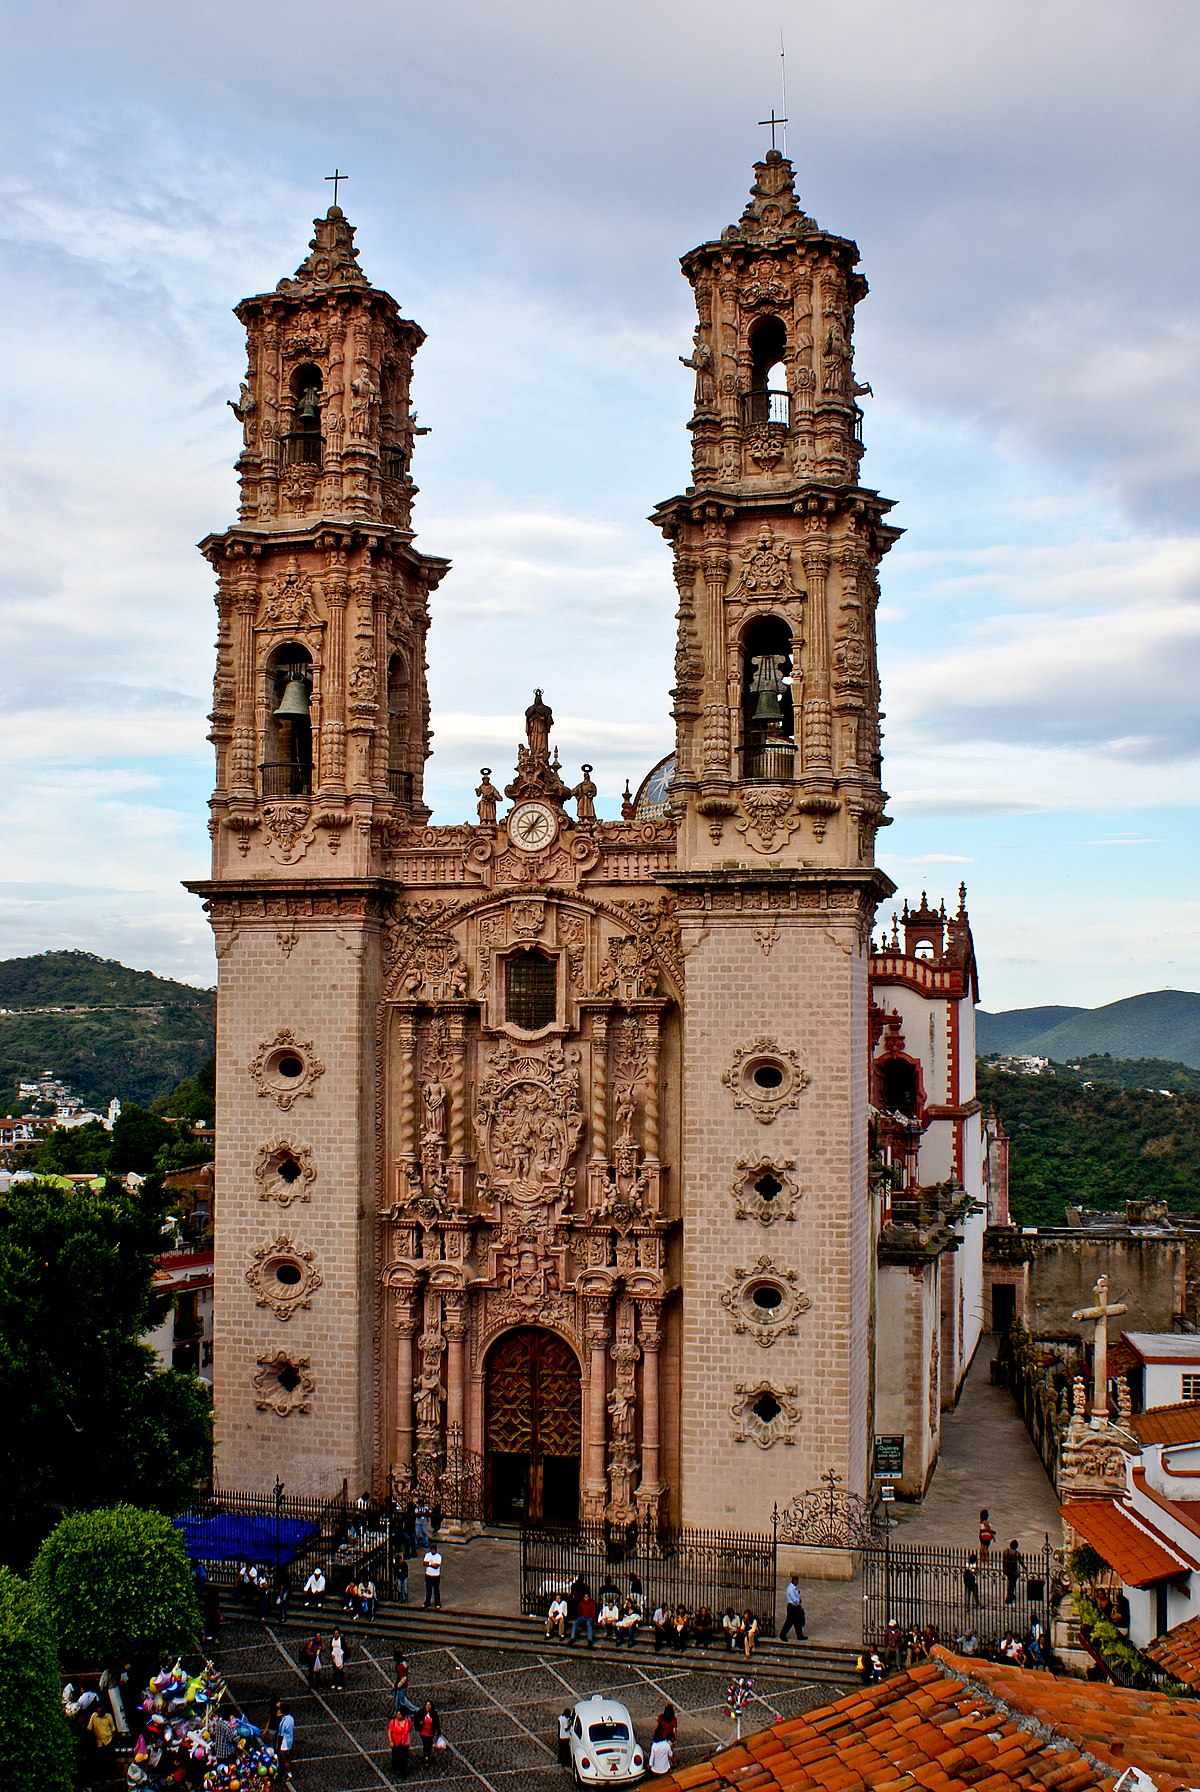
[953, 1724]
[1129, 1544]
[1169, 1424]
[1179, 1652]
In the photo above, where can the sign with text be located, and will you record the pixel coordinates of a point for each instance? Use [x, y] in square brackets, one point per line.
[889, 1458]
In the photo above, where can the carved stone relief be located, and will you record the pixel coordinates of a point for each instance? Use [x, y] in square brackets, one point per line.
[764, 1301]
[285, 1068]
[289, 829]
[764, 1413]
[766, 1078]
[283, 1384]
[283, 1276]
[284, 1172]
[765, 1190]
[529, 1121]
[769, 816]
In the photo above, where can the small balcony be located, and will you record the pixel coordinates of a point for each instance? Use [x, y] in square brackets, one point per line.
[759, 408]
[304, 447]
[769, 762]
[285, 779]
[400, 784]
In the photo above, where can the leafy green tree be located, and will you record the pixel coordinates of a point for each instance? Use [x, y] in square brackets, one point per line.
[35, 1745]
[190, 1099]
[115, 1583]
[137, 1138]
[89, 1416]
[72, 1150]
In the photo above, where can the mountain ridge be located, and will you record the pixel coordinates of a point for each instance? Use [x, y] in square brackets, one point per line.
[100, 1027]
[1161, 1023]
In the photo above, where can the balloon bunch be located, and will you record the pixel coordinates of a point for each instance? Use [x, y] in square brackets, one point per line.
[250, 1772]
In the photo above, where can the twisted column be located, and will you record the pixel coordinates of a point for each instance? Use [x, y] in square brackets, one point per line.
[650, 1033]
[599, 1087]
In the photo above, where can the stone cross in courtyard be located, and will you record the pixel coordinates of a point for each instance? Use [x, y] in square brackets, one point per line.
[1100, 1315]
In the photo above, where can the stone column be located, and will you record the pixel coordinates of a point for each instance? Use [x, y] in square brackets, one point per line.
[458, 1084]
[650, 1033]
[333, 688]
[454, 1328]
[599, 1087]
[404, 1322]
[650, 1333]
[405, 1024]
[716, 707]
[245, 604]
[817, 735]
[596, 1329]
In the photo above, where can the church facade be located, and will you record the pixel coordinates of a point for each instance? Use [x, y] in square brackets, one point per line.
[549, 1142]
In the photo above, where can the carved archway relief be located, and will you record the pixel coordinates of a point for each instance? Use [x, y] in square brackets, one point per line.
[516, 907]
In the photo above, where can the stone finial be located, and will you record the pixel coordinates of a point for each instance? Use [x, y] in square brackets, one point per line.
[332, 259]
[772, 211]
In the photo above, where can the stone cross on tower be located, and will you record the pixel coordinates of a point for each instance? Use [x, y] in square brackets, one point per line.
[1100, 1315]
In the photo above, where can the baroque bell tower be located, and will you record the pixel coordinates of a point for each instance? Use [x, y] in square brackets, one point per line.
[777, 796]
[321, 728]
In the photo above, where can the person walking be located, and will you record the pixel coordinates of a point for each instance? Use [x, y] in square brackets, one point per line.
[429, 1728]
[662, 1755]
[564, 1737]
[400, 1735]
[337, 1660]
[312, 1660]
[1010, 1567]
[794, 1619]
[987, 1535]
[432, 1563]
[285, 1743]
[970, 1581]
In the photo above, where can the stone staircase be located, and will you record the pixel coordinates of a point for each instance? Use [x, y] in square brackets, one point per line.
[797, 1663]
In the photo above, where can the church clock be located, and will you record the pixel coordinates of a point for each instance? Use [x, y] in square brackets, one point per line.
[532, 826]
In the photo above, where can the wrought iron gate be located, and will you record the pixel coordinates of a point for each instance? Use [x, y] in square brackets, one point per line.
[928, 1584]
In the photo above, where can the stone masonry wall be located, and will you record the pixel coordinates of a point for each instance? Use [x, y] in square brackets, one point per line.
[809, 996]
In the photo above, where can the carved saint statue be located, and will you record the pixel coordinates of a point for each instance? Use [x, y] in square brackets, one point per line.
[701, 361]
[585, 795]
[539, 719]
[626, 1105]
[365, 393]
[434, 1097]
[488, 796]
[427, 1398]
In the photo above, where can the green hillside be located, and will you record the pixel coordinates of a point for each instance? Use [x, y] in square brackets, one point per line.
[1010, 1030]
[1077, 1140]
[1164, 1023]
[116, 1031]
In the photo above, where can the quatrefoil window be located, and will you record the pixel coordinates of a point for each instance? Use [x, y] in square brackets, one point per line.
[764, 1413]
[765, 1190]
[283, 1384]
[284, 1172]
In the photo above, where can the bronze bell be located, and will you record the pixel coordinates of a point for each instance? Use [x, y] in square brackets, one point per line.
[769, 707]
[294, 705]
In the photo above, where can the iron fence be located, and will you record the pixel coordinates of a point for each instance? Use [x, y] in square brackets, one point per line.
[681, 1566]
[950, 1589]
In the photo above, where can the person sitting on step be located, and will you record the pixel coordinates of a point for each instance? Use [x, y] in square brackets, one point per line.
[626, 1626]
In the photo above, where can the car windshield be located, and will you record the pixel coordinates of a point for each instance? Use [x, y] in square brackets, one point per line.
[609, 1730]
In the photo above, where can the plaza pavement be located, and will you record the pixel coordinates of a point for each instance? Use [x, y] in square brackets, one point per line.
[499, 1711]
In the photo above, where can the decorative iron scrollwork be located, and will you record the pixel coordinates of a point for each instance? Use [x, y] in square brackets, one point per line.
[828, 1517]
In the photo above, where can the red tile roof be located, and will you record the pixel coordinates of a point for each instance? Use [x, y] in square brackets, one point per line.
[951, 1724]
[1132, 1547]
[1169, 1424]
[1179, 1652]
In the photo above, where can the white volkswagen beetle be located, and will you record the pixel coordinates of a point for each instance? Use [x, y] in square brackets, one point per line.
[604, 1749]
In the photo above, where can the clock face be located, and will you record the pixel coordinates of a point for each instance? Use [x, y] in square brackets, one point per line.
[531, 826]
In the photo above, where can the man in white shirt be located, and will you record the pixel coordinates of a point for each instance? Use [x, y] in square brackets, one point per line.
[314, 1589]
[556, 1617]
[662, 1755]
[432, 1563]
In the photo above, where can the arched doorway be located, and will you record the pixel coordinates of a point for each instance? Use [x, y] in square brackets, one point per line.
[532, 1428]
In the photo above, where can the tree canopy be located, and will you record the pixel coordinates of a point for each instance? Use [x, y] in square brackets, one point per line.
[116, 1583]
[90, 1417]
[35, 1745]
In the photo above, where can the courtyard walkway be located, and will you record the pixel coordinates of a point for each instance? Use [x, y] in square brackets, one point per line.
[986, 1459]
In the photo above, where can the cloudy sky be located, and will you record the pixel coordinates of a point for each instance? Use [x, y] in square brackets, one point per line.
[1020, 178]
